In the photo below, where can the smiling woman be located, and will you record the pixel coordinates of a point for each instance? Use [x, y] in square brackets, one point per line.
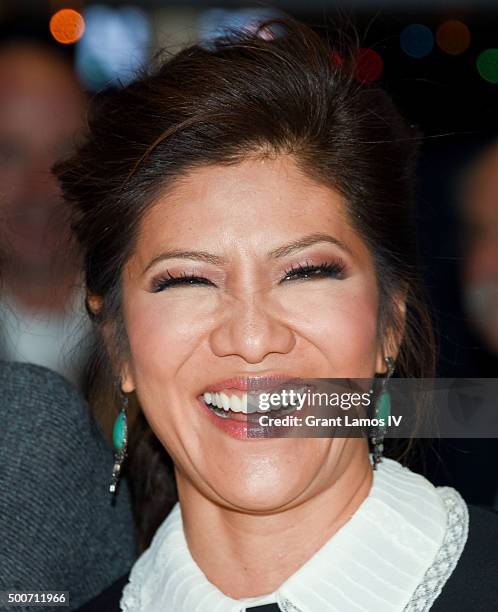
[246, 214]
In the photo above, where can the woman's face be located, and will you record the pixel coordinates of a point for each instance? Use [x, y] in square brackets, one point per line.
[246, 271]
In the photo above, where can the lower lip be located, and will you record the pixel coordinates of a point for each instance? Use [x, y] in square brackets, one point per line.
[238, 429]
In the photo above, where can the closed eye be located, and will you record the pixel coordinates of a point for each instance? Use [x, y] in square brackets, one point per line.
[169, 280]
[310, 271]
[300, 272]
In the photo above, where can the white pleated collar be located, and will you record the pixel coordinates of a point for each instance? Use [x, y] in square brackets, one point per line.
[394, 555]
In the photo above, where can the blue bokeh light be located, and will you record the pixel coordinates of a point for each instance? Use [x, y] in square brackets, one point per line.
[417, 40]
[115, 46]
[214, 23]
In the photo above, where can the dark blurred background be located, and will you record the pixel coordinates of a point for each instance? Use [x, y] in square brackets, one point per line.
[438, 60]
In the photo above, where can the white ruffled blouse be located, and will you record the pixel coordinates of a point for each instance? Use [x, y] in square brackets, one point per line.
[394, 555]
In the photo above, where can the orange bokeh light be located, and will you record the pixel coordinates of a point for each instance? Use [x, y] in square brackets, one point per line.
[67, 26]
[453, 37]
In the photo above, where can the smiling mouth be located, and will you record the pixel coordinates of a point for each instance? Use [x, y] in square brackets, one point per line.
[244, 406]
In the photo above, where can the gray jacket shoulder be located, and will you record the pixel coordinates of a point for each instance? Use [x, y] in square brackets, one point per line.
[58, 527]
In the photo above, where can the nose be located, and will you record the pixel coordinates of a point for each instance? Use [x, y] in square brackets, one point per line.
[252, 328]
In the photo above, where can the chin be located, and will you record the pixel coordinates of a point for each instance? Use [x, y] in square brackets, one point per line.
[267, 481]
[261, 499]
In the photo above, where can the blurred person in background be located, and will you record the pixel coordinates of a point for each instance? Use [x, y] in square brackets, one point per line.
[461, 176]
[41, 112]
[480, 269]
[479, 219]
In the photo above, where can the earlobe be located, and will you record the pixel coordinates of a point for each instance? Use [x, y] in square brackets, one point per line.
[383, 356]
[393, 337]
[390, 348]
[380, 364]
[127, 379]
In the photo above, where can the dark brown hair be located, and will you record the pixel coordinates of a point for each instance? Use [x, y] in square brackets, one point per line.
[243, 94]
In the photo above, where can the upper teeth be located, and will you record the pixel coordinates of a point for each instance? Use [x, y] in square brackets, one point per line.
[236, 403]
[229, 402]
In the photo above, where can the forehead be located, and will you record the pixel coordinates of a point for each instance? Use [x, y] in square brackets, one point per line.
[273, 189]
[246, 208]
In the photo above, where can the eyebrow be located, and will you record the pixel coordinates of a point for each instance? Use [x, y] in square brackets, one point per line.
[302, 243]
[203, 256]
[281, 251]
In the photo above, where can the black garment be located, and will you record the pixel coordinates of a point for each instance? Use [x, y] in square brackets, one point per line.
[473, 585]
[108, 600]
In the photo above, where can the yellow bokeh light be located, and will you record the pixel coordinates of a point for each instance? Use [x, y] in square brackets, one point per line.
[67, 26]
[453, 37]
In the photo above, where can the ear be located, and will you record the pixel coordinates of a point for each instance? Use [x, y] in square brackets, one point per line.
[393, 334]
[94, 303]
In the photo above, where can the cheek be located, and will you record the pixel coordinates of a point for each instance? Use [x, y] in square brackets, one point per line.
[163, 332]
[341, 321]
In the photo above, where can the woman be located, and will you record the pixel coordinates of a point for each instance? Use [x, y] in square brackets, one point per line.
[246, 215]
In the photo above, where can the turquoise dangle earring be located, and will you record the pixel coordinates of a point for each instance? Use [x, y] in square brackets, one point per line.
[382, 411]
[120, 442]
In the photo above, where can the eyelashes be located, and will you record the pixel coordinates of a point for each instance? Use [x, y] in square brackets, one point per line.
[305, 271]
[169, 280]
[324, 270]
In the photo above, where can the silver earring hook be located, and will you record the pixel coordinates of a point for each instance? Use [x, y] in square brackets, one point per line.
[390, 371]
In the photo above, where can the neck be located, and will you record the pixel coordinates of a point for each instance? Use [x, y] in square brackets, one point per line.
[254, 554]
